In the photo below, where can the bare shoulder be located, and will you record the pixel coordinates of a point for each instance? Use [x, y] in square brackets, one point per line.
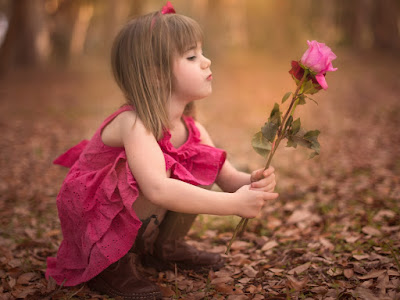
[204, 135]
[112, 134]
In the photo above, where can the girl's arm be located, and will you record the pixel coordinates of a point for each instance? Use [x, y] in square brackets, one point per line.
[230, 179]
[147, 164]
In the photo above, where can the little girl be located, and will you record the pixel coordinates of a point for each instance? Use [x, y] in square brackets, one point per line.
[135, 188]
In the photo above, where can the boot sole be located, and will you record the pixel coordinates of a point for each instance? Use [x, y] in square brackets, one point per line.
[100, 285]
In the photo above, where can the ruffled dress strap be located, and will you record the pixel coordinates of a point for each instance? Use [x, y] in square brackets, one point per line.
[193, 162]
[71, 156]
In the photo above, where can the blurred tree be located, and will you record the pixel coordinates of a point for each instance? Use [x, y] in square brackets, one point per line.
[22, 44]
[370, 23]
[69, 21]
[385, 24]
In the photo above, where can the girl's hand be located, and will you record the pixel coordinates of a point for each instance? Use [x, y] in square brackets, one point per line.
[263, 180]
[251, 201]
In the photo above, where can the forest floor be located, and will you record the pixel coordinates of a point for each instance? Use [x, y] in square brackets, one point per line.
[334, 232]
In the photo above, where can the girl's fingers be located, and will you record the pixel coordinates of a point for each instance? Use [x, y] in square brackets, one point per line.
[269, 188]
[263, 182]
[269, 171]
[256, 175]
[270, 196]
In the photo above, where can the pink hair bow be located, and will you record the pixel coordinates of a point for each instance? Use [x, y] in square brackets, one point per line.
[168, 9]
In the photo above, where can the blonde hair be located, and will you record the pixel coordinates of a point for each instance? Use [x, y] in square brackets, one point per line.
[142, 57]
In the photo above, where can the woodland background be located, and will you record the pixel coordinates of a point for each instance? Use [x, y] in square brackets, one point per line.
[334, 232]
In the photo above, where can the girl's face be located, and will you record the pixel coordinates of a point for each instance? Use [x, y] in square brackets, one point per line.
[192, 75]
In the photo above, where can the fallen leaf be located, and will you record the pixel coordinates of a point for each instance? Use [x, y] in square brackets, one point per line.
[167, 291]
[348, 273]
[361, 257]
[298, 216]
[249, 271]
[300, 269]
[371, 231]
[334, 272]
[364, 294]
[228, 289]
[269, 245]
[372, 274]
[26, 278]
[221, 280]
[240, 245]
[326, 243]
[276, 271]
[295, 284]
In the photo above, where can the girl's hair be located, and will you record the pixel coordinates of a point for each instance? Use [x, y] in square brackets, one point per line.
[142, 57]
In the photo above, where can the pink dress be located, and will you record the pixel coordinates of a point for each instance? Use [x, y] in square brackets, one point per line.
[94, 205]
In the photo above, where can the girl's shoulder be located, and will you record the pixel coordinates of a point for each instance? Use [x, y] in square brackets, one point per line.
[111, 133]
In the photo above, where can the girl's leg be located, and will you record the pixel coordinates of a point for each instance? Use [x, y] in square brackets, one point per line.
[151, 217]
[176, 225]
[170, 247]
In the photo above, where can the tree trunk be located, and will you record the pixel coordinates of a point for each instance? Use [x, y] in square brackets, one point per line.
[385, 24]
[21, 44]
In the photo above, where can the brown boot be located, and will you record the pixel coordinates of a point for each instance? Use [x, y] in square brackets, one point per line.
[122, 279]
[186, 257]
[170, 249]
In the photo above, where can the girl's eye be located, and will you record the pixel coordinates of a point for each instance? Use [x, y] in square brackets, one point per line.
[191, 57]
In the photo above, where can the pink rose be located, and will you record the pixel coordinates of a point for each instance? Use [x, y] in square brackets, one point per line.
[318, 58]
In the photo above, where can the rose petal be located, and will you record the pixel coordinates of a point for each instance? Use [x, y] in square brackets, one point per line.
[321, 80]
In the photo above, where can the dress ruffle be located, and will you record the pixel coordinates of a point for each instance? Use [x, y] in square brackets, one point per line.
[95, 201]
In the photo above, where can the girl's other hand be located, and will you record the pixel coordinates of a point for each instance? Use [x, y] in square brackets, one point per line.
[263, 180]
[251, 201]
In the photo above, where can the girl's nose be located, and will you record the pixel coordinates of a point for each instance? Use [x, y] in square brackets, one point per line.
[206, 63]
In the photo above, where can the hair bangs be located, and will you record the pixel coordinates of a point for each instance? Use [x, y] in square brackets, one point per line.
[187, 33]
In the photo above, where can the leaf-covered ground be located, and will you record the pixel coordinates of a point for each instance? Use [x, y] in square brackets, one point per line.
[334, 232]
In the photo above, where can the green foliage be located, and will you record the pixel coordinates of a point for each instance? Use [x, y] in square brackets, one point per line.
[260, 144]
[309, 87]
[301, 100]
[275, 116]
[286, 96]
[269, 131]
[305, 139]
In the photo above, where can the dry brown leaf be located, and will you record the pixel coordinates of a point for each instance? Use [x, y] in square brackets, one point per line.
[222, 280]
[326, 243]
[295, 284]
[348, 273]
[372, 274]
[251, 289]
[249, 271]
[300, 269]
[269, 245]
[228, 289]
[299, 216]
[167, 291]
[382, 282]
[22, 293]
[361, 257]
[240, 245]
[26, 278]
[276, 271]
[334, 272]
[364, 293]
[273, 223]
[393, 273]
[237, 297]
[367, 284]
[352, 239]
[382, 214]
[371, 231]
[245, 280]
